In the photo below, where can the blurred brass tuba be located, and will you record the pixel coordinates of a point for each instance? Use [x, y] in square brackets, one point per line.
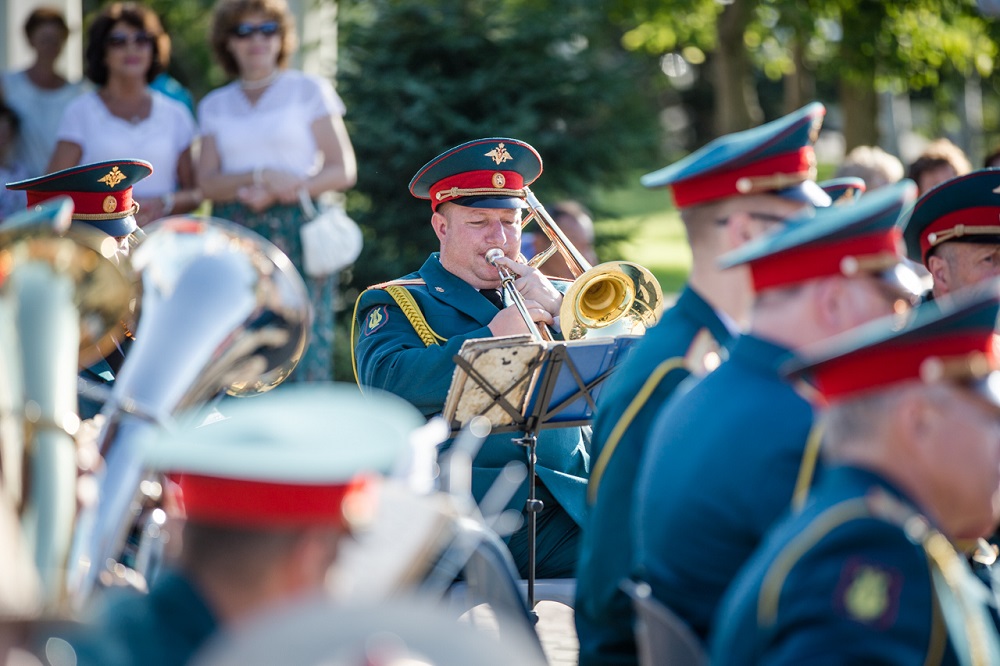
[223, 310]
[610, 299]
[61, 295]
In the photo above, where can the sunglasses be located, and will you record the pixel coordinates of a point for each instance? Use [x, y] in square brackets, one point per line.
[245, 30]
[120, 39]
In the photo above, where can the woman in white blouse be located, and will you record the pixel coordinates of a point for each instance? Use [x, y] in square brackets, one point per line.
[269, 135]
[125, 118]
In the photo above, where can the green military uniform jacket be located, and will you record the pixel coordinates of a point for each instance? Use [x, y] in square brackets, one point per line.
[669, 353]
[391, 355]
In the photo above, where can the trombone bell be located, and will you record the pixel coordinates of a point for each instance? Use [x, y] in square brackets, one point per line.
[611, 299]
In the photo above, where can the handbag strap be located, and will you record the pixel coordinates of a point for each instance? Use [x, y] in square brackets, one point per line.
[308, 207]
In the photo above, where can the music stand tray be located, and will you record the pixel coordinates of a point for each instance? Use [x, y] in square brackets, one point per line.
[524, 385]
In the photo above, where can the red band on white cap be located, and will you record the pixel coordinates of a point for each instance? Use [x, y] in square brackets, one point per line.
[240, 502]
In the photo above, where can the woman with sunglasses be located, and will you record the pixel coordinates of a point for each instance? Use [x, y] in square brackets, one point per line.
[268, 136]
[125, 118]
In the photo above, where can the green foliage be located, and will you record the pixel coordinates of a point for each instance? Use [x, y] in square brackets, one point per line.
[421, 77]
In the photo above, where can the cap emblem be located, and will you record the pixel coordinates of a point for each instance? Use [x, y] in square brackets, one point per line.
[112, 178]
[499, 154]
[498, 180]
[110, 204]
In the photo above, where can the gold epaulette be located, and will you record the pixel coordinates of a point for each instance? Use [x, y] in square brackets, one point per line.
[402, 283]
[406, 302]
[404, 299]
[704, 354]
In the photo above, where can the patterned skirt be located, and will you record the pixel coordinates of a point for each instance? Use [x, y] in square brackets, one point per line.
[280, 225]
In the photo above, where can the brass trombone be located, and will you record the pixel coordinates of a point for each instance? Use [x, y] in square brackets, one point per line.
[538, 331]
[607, 300]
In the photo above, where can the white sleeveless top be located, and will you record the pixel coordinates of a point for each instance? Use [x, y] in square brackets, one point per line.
[276, 131]
[40, 111]
[159, 139]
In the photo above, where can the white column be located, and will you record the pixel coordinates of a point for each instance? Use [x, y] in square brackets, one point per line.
[316, 21]
[15, 53]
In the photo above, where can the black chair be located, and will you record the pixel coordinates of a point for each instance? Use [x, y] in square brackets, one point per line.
[662, 637]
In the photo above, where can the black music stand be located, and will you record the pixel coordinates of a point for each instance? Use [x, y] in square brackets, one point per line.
[563, 382]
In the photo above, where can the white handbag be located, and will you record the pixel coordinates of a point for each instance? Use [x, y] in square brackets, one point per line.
[331, 241]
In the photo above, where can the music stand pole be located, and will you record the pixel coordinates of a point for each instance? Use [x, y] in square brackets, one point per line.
[533, 506]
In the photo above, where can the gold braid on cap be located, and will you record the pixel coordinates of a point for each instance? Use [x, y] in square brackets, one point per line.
[960, 230]
[108, 216]
[477, 191]
[852, 265]
[775, 181]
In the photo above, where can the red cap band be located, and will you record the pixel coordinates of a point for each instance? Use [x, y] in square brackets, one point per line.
[90, 203]
[887, 364]
[773, 173]
[809, 262]
[968, 218]
[262, 504]
[485, 183]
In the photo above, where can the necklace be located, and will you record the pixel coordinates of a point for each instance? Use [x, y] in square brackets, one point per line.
[257, 84]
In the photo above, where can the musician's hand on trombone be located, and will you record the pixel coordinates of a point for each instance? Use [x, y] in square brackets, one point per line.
[534, 286]
[509, 321]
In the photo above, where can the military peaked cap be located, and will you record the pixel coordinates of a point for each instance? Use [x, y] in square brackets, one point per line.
[775, 158]
[954, 342]
[966, 208]
[101, 192]
[839, 240]
[485, 173]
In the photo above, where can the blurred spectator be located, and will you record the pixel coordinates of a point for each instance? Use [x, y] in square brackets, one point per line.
[10, 168]
[125, 118]
[575, 221]
[39, 94]
[941, 160]
[268, 137]
[873, 165]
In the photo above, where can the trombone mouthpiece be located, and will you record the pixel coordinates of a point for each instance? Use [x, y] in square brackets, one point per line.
[493, 255]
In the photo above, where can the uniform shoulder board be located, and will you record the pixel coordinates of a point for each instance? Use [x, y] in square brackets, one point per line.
[704, 354]
[402, 283]
[893, 510]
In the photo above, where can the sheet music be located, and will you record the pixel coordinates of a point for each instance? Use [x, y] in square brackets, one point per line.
[504, 363]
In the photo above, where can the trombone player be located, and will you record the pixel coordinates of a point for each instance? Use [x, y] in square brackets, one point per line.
[411, 328]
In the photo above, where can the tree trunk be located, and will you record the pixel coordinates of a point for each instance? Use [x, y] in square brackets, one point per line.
[737, 106]
[859, 105]
[858, 99]
[800, 85]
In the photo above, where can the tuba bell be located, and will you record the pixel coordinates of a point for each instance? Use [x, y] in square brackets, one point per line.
[223, 311]
[610, 299]
[60, 298]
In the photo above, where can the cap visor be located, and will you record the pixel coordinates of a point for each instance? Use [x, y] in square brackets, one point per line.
[119, 227]
[489, 202]
[903, 279]
[807, 192]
